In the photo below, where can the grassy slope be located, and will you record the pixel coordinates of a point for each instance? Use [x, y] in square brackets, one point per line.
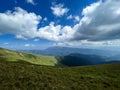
[10, 55]
[22, 76]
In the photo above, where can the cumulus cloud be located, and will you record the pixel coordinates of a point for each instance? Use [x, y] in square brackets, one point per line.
[31, 2]
[36, 39]
[24, 26]
[45, 19]
[20, 37]
[29, 45]
[59, 10]
[55, 32]
[85, 42]
[70, 17]
[77, 18]
[100, 22]
[74, 18]
[20, 23]
[50, 32]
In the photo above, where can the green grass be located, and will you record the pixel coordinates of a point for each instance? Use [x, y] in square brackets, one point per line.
[22, 71]
[15, 56]
[24, 76]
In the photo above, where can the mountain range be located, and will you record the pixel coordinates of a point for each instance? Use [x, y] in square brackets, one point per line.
[74, 59]
[108, 54]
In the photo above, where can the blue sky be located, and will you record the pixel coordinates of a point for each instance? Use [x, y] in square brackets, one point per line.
[37, 24]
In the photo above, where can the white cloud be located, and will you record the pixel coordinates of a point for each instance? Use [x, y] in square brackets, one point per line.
[29, 45]
[77, 18]
[36, 39]
[100, 22]
[55, 32]
[59, 10]
[70, 17]
[24, 26]
[45, 19]
[31, 2]
[50, 32]
[19, 36]
[19, 23]
[85, 42]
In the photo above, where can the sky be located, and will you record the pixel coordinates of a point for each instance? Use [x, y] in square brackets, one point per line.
[38, 24]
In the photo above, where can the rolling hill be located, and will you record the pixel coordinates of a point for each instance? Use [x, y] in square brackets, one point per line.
[22, 76]
[68, 60]
[16, 56]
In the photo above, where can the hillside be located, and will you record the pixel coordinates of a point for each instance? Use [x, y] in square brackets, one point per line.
[68, 60]
[15, 56]
[22, 76]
